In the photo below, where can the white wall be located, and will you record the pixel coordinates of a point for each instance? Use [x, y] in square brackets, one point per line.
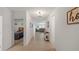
[7, 33]
[1, 16]
[29, 29]
[6, 26]
[67, 36]
[51, 29]
[19, 14]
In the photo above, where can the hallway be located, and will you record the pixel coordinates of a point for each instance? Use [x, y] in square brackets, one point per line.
[34, 45]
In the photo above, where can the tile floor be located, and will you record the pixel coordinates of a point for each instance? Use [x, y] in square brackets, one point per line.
[37, 44]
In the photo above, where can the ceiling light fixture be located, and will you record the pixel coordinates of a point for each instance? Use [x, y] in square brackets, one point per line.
[39, 13]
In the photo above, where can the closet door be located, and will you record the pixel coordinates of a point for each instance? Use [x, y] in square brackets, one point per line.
[0, 32]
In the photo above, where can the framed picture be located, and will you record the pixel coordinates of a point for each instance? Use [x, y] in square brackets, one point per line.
[73, 16]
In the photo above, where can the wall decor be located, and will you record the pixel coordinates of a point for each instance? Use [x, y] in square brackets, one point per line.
[73, 16]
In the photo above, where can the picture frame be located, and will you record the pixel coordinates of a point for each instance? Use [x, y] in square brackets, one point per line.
[73, 16]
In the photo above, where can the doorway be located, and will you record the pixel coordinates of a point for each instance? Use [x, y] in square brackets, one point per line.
[18, 24]
[41, 30]
[19, 31]
[40, 20]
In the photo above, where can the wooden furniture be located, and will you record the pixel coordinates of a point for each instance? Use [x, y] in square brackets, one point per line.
[19, 34]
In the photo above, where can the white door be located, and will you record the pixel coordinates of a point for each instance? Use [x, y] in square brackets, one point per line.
[0, 32]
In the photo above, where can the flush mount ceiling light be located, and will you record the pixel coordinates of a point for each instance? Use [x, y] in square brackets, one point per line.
[40, 13]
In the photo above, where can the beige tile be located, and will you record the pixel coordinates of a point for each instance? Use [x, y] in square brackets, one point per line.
[34, 45]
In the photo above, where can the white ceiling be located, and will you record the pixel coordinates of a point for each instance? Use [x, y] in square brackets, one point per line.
[38, 19]
[25, 8]
[17, 8]
[32, 11]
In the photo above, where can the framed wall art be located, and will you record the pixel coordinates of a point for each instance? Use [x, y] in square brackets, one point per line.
[73, 16]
